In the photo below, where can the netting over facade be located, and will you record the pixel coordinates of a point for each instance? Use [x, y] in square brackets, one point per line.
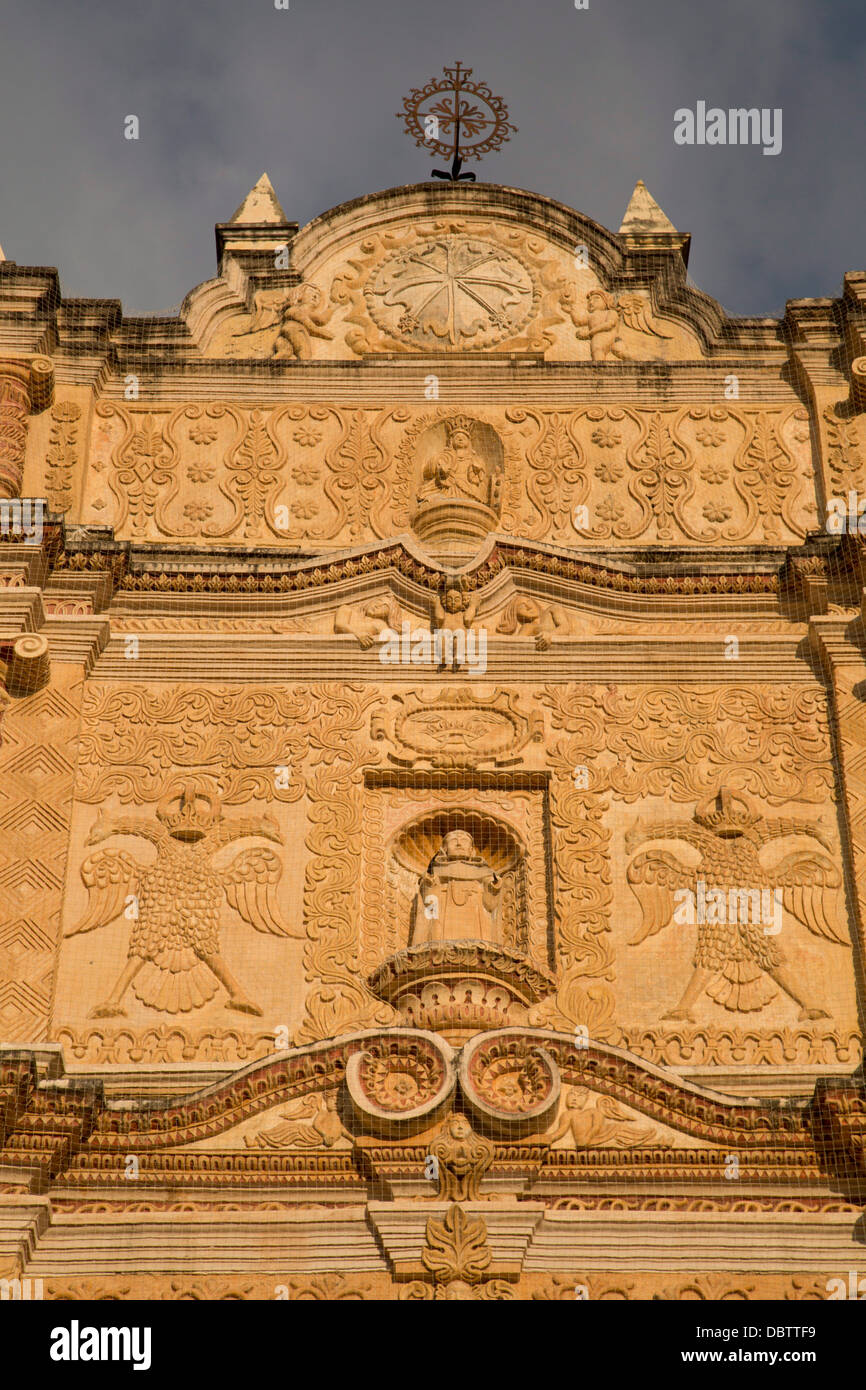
[432, 781]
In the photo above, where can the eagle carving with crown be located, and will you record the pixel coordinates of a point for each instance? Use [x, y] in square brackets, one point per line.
[738, 951]
[175, 901]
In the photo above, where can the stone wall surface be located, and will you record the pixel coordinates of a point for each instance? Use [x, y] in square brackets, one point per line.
[431, 770]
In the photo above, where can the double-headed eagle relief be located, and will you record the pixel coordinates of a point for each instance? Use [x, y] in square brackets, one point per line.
[175, 902]
[738, 900]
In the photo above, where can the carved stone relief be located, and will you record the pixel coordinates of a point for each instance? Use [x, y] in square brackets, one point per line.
[742, 900]
[37, 765]
[175, 963]
[697, 474]
[661, 745]
[63, 457]
[366, 807]
[403, 827]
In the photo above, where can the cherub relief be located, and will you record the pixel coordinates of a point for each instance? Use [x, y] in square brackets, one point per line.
[175, 963]
[736, 954]
[587, 1120]
[605, 314]
[525, 618]
[368, 622]
[457, 610]
[312, 1122]
[297, 317]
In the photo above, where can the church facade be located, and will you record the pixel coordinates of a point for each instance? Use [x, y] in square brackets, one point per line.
[433, 769]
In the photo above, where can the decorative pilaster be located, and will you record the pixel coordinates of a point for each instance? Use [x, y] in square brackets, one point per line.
[26, 388]
[844, 664]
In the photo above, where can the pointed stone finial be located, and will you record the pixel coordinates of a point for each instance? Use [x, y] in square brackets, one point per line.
[643, 213]
[261, 204]
[2, 254]
[259, 224]
[645, 228]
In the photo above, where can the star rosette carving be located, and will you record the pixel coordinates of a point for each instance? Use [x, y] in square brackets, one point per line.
[507, 1079]
[452, 292]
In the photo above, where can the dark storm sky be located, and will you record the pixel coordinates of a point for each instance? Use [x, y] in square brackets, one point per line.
[227, 88]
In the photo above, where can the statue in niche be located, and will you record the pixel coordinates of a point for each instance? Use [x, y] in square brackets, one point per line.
[458, 898]
[458, 470]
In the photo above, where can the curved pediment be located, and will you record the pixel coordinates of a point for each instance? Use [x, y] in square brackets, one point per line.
[426, 269]
[362, 1094]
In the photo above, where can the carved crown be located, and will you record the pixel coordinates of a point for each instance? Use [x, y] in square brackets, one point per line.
[726, 814]
[189, 812]
[459, 423]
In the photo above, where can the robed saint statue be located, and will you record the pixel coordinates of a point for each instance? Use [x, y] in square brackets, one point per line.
[458, 897]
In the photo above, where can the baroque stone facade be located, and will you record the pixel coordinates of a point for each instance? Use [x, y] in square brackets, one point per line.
[431, 775]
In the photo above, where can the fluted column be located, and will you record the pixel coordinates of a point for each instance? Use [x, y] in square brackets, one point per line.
[26, 387]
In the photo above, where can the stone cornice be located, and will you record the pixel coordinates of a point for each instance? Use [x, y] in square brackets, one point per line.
[649, 571]
[154, 1124]
[287, 658]
[125, 580]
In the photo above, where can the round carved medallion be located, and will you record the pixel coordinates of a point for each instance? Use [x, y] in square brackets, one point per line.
[509, 1077]
[399, 1080]
[454, 292]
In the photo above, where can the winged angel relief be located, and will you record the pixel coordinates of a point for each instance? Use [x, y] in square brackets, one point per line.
[605, 316]
[284, 324]
[175, 901]
[737, 948]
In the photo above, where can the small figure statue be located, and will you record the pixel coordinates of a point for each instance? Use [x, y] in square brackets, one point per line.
[459, 470]
[463, 1158]
[458, 897]
[457, 611]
